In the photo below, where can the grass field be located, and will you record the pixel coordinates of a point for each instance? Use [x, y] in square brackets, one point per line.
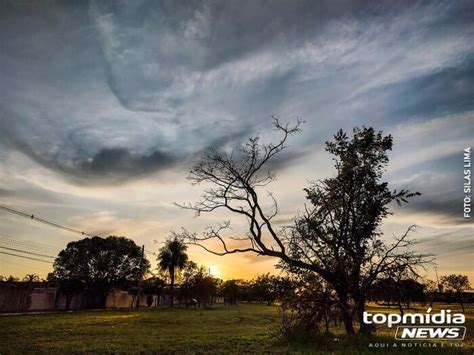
[242, 329]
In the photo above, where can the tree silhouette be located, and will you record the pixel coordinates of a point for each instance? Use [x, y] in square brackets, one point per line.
[337, 238]
[204, 287]
[10, 279]
[265, 288]
[230, 290]
[458, 284]
[188, 273]
[172, 257]
[67, 287]
[100, 263]
[400, 291]
[307, 305]
[31, 278]
[153, 286]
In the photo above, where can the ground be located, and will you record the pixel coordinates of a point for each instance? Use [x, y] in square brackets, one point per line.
[242, 329]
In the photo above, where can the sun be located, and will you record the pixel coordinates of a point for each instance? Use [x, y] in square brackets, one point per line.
[214, 271]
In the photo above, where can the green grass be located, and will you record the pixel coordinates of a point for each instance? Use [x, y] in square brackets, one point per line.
[242, 329]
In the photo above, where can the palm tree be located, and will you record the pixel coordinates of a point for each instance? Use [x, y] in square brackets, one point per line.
[31, 278]
[172, 257]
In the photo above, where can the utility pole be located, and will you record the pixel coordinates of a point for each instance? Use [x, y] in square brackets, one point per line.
[437, 279]
[140, 277]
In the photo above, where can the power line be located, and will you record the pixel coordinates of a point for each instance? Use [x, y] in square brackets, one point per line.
[44, 221]
[25, 257]
[27, 241]
[27, 244]
[25, 247]
[50, 223]
[27, 252]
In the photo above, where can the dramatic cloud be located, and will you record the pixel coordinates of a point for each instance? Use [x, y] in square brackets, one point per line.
[105, 104]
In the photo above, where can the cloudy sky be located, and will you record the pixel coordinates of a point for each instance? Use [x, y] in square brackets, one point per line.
[104, 106]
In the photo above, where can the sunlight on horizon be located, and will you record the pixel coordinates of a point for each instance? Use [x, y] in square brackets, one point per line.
[214, 271]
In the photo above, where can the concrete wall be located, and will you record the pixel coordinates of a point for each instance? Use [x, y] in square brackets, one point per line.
[37, 296]
[42, 299]
[87, 299]
[121, 299]
[15, 297]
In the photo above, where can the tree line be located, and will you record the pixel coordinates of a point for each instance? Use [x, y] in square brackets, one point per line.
[197, 287]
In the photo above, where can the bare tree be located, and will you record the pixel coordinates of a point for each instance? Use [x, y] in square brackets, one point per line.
[234, 180]
[338, 236]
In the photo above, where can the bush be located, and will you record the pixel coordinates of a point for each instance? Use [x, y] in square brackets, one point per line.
[308, 311]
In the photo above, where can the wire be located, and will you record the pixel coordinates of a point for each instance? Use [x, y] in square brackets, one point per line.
[24, 240]
[27, 244]
[26, 257]
[47, 222]
[24, 246]
[27, 252]
[44, 221]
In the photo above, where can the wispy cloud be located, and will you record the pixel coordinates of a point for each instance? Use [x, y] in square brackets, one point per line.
[105, 104]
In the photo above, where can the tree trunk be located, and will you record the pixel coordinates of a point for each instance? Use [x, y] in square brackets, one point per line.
[347, 317]
[326, 320]
[172, 287]
[400, 307]
[365, 329]
[103, 301]
[68, 302]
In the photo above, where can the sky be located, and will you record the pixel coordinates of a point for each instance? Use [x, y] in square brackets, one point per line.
[105, 105]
